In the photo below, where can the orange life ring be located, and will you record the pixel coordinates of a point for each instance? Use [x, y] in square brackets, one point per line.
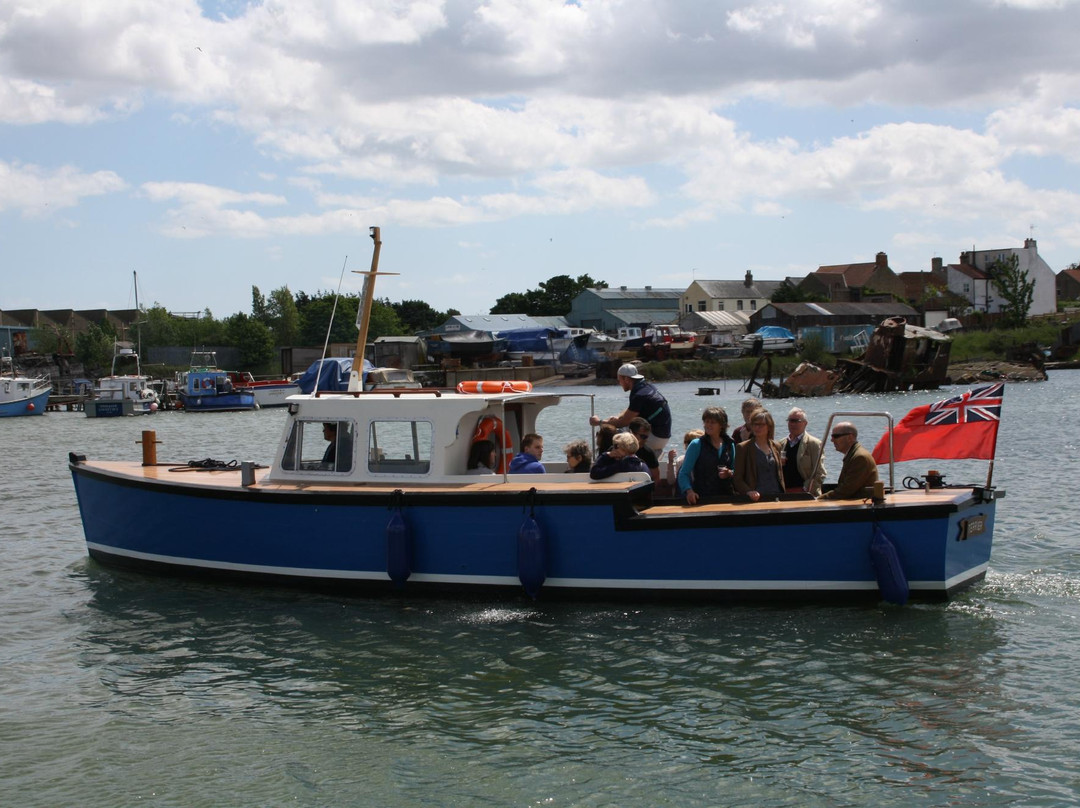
[491, 428]
[495, 387]
[207, 383]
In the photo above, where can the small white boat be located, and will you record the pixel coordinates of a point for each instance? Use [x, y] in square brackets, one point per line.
[122, 393]
[21, 394]
[768, 339]
[390, 379]
[272, 392]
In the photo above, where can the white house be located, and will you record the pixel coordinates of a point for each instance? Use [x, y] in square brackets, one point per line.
[972, 279]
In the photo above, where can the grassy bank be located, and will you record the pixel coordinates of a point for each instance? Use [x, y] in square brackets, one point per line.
[979, 346]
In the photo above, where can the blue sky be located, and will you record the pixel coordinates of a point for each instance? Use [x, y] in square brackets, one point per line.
[215, 146]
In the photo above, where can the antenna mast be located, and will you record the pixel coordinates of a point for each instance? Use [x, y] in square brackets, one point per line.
[363, 316]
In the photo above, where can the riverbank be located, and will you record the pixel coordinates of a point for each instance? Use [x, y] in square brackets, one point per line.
[995, 370]
[959, 373]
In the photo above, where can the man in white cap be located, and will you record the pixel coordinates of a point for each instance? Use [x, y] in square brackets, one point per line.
[646, 402]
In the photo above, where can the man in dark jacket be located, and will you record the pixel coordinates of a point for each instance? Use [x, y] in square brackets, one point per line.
[645, 401]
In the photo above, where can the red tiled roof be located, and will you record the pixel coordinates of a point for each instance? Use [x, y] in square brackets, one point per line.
[970, 271]
[854, 275]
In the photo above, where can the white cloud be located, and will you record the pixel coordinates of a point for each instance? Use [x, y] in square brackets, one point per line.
[799, 24]
[37, 191]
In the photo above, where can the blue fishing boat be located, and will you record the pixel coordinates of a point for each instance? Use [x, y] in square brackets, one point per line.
[21, 394]
[369, 492]
[207, 388]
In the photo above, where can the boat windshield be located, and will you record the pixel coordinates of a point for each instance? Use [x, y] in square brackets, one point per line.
[319, 446]
[400, 447]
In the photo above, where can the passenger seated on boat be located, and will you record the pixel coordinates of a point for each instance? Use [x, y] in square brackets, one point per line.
[482, 458]
[337, 441]
[528, 462]
[578, 457]
[859, 471]
[641, 430]
[329, 433]
[621, 457]
[604, 434]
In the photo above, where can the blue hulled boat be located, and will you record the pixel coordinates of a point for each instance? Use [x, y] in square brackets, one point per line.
[21, 394]
[207, 388]
[369, 491]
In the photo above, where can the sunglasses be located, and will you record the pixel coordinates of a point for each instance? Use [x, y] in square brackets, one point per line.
[836, 435]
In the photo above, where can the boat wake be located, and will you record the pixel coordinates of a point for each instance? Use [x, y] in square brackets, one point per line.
[1035, 582]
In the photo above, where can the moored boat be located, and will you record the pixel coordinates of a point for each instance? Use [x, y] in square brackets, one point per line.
[369, 491]
[21, 394]
[272, 392]
[768, 339]
[207, 388]
[121, 394]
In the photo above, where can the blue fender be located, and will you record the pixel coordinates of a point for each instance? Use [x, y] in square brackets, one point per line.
[398, 557]
[532, 561]
[890, 573]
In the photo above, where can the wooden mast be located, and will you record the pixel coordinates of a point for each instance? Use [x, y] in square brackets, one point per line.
[363, 315]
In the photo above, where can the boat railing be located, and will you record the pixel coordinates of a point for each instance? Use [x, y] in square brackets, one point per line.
[861, 414]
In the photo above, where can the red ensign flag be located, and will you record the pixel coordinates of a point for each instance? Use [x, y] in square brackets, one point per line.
[965, 426]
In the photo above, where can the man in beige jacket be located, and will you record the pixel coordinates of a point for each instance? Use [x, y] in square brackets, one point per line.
[804, 470]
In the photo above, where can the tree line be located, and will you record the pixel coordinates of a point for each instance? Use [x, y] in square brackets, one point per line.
[283, 318]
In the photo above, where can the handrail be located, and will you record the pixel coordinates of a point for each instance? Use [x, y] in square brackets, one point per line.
[860, 414]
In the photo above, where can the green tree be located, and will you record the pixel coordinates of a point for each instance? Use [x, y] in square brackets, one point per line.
[94, 348]
[1015, 288]
[315, 313]
[791, 293]
[553, 298]
[254, 340]
[416, 315]
[160, 328]
[259, 308]
[283, 316]
[384, 321]
[515, 303]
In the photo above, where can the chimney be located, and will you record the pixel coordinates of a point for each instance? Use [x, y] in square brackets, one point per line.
[748, 281]
[648, 288]
[881, 260]
[622, 288]
[1029, 244]
[936, 266]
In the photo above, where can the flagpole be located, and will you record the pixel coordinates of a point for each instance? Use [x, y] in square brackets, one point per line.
[993, 452]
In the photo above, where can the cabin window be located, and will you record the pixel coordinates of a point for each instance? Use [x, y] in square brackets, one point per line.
[319, 446]
[399, 447]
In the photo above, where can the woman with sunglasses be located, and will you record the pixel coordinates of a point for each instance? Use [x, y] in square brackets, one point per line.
[758, 460]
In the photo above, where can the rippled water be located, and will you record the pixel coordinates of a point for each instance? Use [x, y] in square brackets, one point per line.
[118, 688]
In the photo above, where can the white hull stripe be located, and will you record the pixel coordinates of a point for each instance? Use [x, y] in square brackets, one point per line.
[506, 580]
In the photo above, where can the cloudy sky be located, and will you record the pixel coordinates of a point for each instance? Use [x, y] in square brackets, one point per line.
[214, 145]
